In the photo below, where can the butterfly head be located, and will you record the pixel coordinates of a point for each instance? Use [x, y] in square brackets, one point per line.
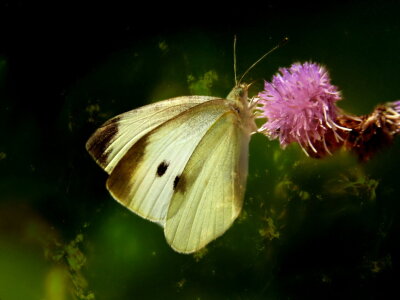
[243, 106]
[239, 93]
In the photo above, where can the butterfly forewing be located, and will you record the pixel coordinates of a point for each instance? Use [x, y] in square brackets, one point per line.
[208, 196]
[145, 178]
[113, 140]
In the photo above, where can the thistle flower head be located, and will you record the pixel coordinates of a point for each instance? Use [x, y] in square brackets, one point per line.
[299, 105]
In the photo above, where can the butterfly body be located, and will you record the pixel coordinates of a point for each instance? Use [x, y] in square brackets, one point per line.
[181, 163]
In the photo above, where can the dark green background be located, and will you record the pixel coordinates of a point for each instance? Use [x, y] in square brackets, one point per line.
[309, 228]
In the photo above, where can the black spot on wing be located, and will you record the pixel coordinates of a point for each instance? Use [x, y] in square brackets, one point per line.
[162, 168]
[179, 184]
[98, 143]
[176, 181]
[176, 202]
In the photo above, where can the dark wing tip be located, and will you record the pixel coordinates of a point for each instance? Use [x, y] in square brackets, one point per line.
[98, 143]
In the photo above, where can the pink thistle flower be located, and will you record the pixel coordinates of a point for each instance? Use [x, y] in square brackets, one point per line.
[300, 106]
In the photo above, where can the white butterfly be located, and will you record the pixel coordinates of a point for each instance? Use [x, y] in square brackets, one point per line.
[181, 163]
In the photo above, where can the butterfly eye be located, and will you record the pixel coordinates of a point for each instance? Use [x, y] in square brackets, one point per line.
[238, 92]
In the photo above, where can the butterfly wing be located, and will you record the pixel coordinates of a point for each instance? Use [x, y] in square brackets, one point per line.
[209, 194]
[145, 177]
[115, 137]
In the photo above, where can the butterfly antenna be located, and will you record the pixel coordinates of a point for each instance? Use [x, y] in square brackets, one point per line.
[282, 43]
[234, 59]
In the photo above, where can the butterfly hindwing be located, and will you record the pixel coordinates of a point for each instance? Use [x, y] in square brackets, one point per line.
[209, 193]
[145, 177]
[115, 137]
